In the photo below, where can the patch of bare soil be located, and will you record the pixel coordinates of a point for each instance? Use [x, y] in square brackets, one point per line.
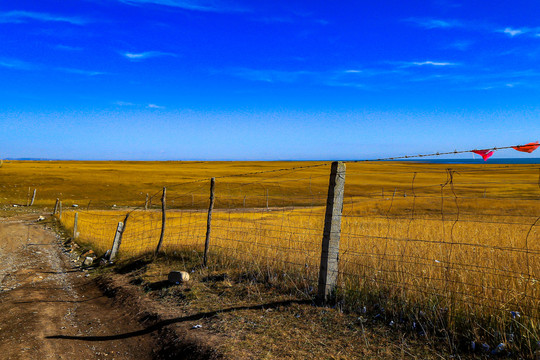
[50, 309]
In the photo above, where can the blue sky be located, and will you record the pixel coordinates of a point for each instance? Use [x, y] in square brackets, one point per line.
[220, 79]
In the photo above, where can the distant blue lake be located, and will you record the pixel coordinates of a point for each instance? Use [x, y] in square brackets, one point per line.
[478, 161]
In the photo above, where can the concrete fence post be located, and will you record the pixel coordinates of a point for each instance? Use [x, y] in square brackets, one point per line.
[33, 197]
[56, 206]
[118, 238]
[163, 219]
[75, 223]
[209, 221]
[328, 271]
[116, 242]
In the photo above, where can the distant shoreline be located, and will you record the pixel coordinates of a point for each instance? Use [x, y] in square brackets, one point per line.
[504, 161]
[501, 161]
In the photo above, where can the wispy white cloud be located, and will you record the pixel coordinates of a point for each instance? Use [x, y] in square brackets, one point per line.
[146, 55]
[428, 63]
[18, 17]
[23, 65]
[129, 104]
[353, 78]
[349, 84]
[433, 63]
[194, 5]
[476, 26]
[124, 103]
[429, 23]
[17, 64]
[81, 72]
[521, 31]
[271, 76]
[397, 75]
[460, 45]
[68, 48]
[514, 32]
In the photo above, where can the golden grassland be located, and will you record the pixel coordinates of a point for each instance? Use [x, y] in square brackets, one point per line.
[125, 183]
[461, 243]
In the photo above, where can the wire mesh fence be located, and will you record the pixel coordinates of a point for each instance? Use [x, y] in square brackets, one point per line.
[455, 246]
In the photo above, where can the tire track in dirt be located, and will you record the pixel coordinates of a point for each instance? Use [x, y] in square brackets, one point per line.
[43, 296]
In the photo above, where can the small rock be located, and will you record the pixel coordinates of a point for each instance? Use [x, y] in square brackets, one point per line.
[500, 348]
[177, 277]
[89, 253]
[88, 261]
[196, 326]
[75, 205]
[41, 218]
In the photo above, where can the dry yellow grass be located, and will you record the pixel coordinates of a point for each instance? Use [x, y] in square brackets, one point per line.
[462, 243]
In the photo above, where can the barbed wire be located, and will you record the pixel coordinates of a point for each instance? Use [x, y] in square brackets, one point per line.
[443, 240]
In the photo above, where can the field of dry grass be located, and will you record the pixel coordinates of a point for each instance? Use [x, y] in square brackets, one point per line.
[458, 250]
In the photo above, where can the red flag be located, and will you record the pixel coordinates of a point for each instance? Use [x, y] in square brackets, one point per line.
[485, 154]
[528, 148]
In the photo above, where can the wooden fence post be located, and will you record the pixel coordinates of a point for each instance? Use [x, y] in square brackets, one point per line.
[209, 221]
[328, 271]
[118, 238]
[163, 219]
[60, 210]
[75, 223]
[55, 206]
[146, 202]
[33, 197]
[266, 199]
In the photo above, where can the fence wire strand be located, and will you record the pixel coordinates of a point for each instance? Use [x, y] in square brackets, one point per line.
[425, 234]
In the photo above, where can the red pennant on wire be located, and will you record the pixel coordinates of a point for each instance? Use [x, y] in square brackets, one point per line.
[528, 148]
[485, 154]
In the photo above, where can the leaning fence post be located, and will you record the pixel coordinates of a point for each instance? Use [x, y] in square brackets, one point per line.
[33, 197]
[75, 222]
[55, 206]
[163, 219]
[328, 271]
[118, 238]
[209, 221]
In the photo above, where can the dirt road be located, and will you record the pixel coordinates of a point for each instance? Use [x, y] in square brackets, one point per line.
[50, 310]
